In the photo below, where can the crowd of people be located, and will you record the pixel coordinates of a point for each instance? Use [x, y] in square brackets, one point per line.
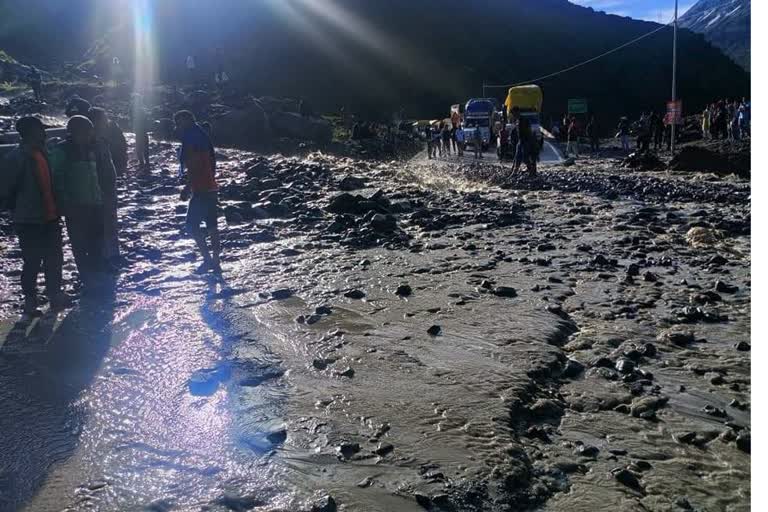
[513, 137]
[77, 179]
[727, 120]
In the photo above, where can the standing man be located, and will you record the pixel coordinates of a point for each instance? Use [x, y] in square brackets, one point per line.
[107, 182]
[623, 133]
[593, 135]
[77, 170]
[36, 82]
[27, 189]
[573, 137]
[191, 69]
[477, 140]
[460, 140]
[198, 159]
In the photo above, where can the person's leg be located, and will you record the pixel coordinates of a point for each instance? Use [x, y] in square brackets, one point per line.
[31, 244]
[53, 260]
[111, 242]
[195, 215]
[78, 239]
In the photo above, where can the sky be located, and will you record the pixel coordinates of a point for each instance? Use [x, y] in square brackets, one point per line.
[650, 10]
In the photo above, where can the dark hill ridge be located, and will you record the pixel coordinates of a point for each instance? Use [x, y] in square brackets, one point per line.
[379, 56]
[725, 23]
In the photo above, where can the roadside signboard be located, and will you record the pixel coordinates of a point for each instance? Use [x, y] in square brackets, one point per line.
[674, 112]
[577, 106]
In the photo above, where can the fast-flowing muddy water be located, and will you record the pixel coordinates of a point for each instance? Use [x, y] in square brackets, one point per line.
[485, 342]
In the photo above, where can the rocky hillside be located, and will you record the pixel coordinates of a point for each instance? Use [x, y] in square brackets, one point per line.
[726, 24]
[378, 57]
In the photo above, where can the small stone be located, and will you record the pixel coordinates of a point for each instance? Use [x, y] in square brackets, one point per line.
[625, 366]
[744, 442]
[714, 411]
[587, 451]
[622, 408]
[743, 346]
[355, 294]
[546, 247]
[323, 310]
[347, 372]
[572, 369]
[282, 294]
[383, 449]
[722, 287]
[648, 350]
[626, 477]
[347, 450]
[505, 291]
[365, 482]
[633, 270]
[404, 291]
[434, 330]
[545, 408]
[650, 277]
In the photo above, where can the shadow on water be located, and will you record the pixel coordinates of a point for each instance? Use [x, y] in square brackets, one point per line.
[249, 369]
[40, 418]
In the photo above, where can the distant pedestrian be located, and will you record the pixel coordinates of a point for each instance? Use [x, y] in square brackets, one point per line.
[477, 141]
[110, 133]
[446, 136]
[593, 135]
[460, 140]
[623, 133]
[198, 166]
[36, 83]
[27, 190]
[191, 69]
[117, 71]
[706, 120]
[657, 129]
[79, 170]
[141, 130]
[573, 137]
[503, 143]
[430, 146]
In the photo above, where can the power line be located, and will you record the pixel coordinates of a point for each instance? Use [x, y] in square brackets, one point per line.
[589, 61]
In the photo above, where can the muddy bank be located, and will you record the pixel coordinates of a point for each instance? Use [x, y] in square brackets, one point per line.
[402, 337]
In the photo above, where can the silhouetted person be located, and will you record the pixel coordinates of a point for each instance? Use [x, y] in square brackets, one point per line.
[77, 106]
[657, 127]
[593, 135]
[80, 166]
[198, 164]
[36, 83]
[27, 189]
[108, 180]
[623, 133]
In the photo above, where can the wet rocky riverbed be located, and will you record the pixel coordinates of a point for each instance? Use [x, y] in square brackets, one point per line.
[396, 337]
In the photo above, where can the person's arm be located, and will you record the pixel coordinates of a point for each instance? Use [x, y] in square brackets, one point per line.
[11, 165]
[57, 164]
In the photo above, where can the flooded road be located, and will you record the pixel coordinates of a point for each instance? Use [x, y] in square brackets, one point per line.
[393, 337]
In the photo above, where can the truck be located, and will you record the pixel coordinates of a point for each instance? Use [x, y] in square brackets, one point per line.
[479, 114]
[528, 99]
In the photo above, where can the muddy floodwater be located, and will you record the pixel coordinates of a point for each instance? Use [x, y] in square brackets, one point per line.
[395, 337]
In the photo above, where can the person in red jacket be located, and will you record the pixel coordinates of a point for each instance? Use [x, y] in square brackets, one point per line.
[198, 167]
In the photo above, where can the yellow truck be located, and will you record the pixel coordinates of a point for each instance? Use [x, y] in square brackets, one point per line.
[527, 98]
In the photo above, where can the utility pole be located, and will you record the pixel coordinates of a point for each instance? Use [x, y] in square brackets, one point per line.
[674, 80]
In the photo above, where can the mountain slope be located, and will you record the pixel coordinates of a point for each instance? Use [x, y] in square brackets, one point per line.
[725, 23]
[376, 57]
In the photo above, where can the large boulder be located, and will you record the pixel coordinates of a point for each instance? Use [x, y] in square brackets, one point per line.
[294, 126]
[244, 128]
